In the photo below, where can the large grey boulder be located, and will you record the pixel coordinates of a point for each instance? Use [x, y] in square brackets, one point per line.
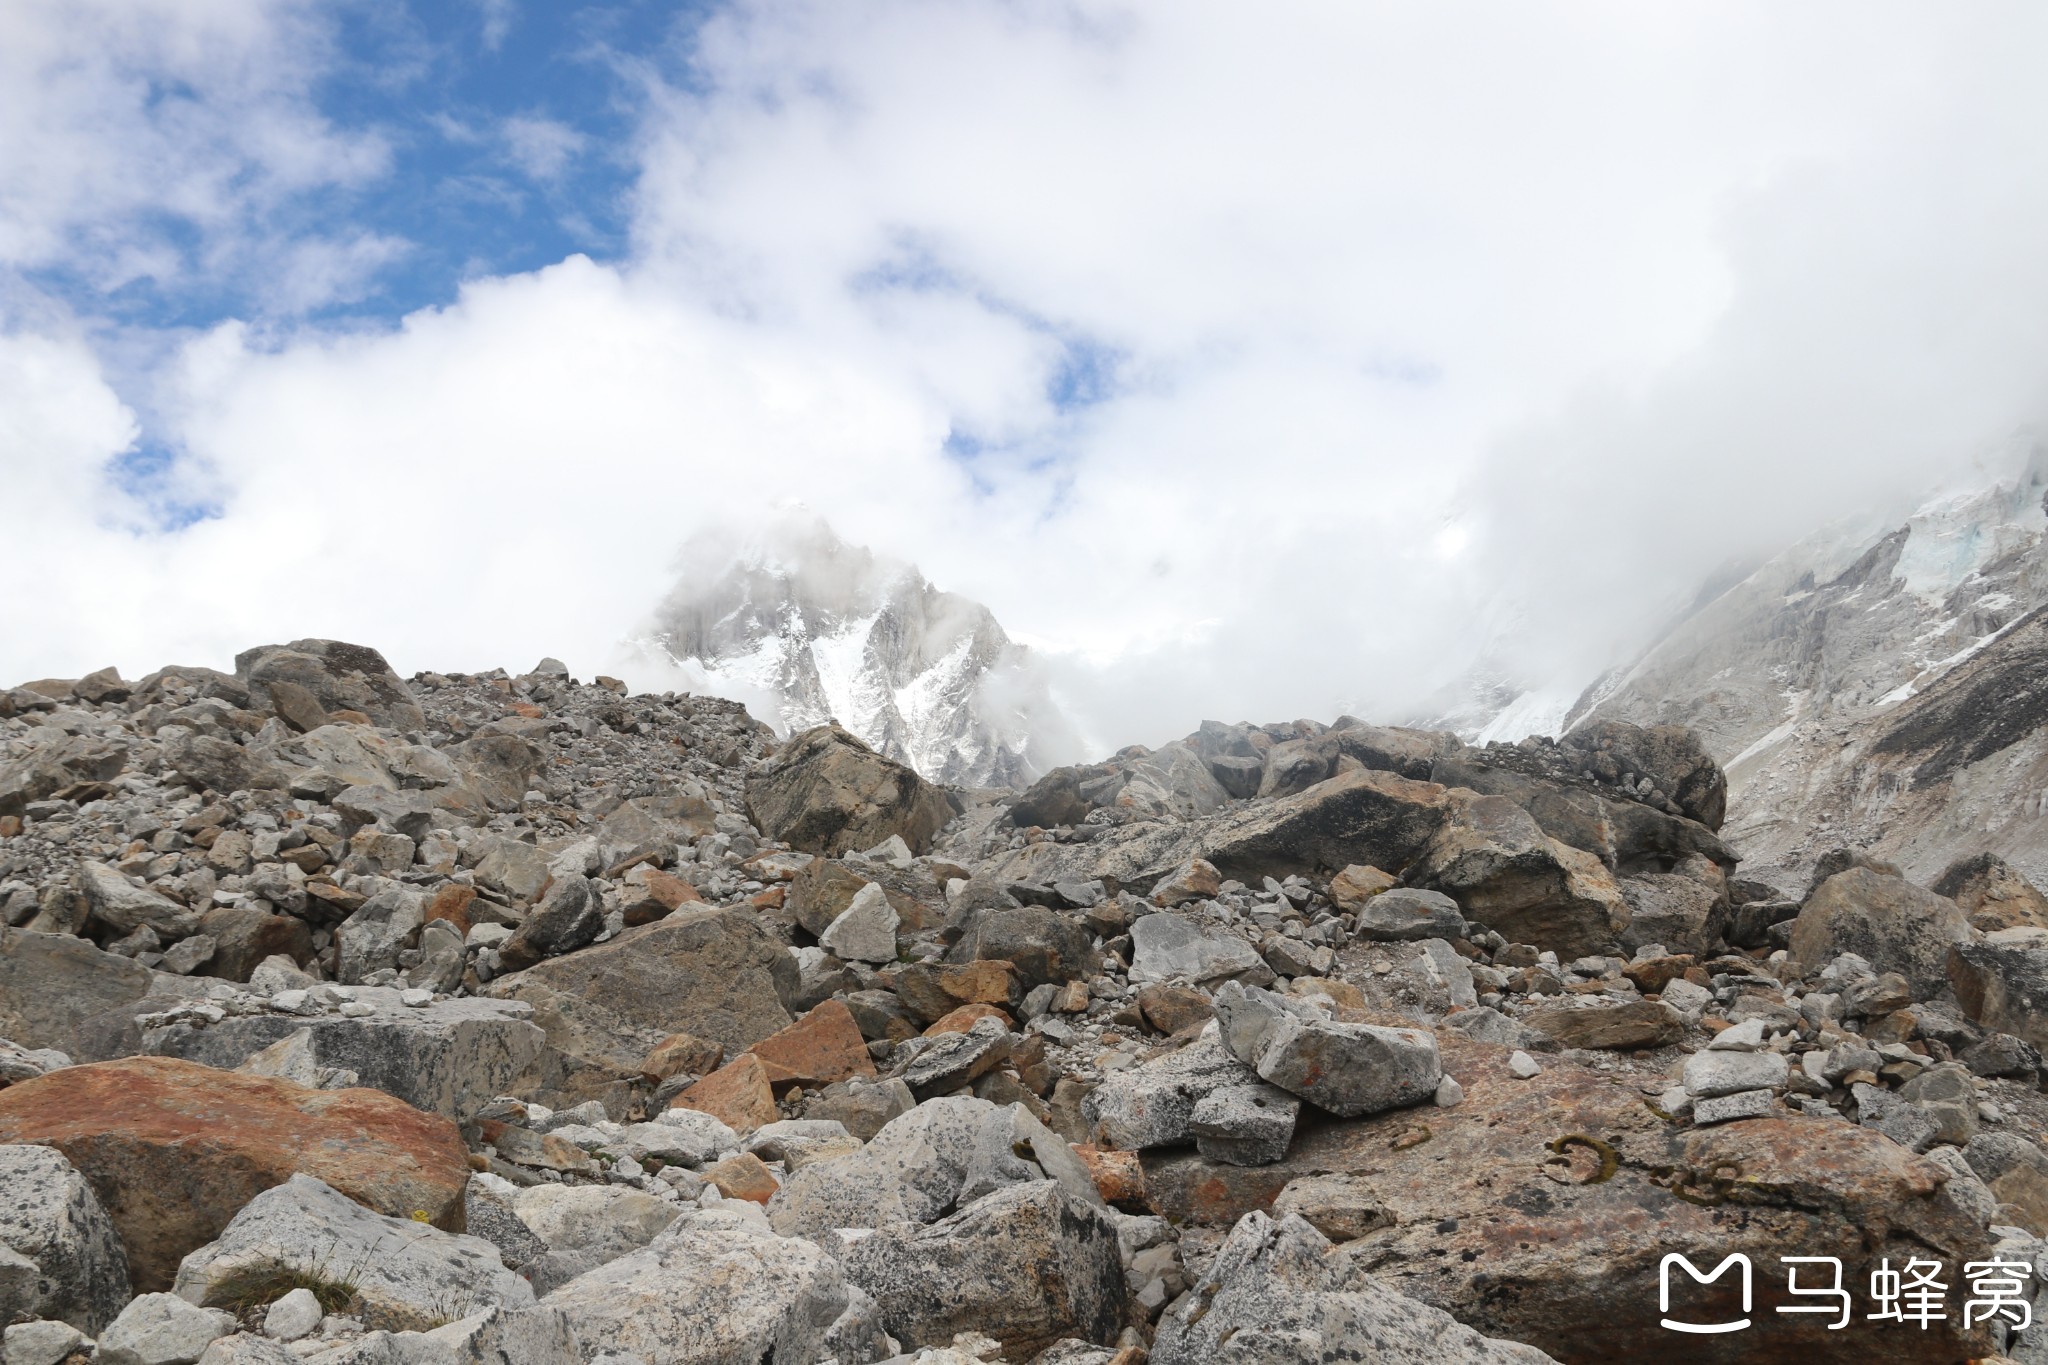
[403, 1274]
[55, 762]
[1169, 947]
[716, 1288]
[713, 973]
[2002, 982]
[584, 1226]
[865, 931]
[52, 985]
[1505, 872]
[1672, 757]
[1153, 1104]
[122, 905]
[826, 792]
[1407, 913]
[1887, 921]
[162, 1329]
[67, 1260]
[569, 915]
[1044, 945]
[1027, 1265]
[1275, 1295]
[1346, 1069]
[336, 676]
[381, 927]
[942, 1154]
[449, 1057]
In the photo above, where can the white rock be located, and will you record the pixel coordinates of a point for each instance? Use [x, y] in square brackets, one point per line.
[60, 1255]
[41, 1342]
[1449, 1094]
[865, 930]
[1523, 1065]
[416, 998]
[162, 1329]
[407, 1274]
[1746, 1036]
[295, 1315]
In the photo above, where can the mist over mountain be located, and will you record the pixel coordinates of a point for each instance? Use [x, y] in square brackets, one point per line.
[808, 629]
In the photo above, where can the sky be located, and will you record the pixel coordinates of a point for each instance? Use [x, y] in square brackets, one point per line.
[1247, 362]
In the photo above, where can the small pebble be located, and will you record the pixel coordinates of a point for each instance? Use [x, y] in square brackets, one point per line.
[1523, 1065]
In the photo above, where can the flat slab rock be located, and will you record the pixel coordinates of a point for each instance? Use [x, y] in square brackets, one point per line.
[1507, 1213]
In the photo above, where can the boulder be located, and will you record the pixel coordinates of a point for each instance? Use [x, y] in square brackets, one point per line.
[51, 985]
[1494, 859]
[243, 936]
[51, 1219]
[1353, 888]
[1042, 945]
[737, 1095]
[1152, 1104]
[921, 1165]
[568, 916]
[865, 931]
[1993, 893]
[714, 1289]
[398, 1274]
[820, 893]
[584, 1226]
[174, 1149]
[1276, 1292]
[1344, 1069]
[371, 938]
[1168, 947]
[1686, 910]
[124, 906]
[335, 677]
[713, 973]
[1026, 1265]
[823, 1046]
[1886, 920]
[55, 763]
[449, 1057]
[1624, 1024]
[1406, 913]
[1672, 757]
[1055, 799]
[826, 792]
[1193, 880]
[2002, 982]
[1367, 817]
[932, 990]
[1540, 1209]
[161, 1329]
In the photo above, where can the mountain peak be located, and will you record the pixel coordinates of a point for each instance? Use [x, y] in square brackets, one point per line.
[808, 628]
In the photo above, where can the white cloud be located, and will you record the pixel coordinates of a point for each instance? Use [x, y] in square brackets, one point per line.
[120, 117]
[541, 147]
[1428, 323]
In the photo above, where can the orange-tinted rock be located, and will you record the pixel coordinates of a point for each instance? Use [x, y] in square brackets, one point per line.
[737, 1095]
[451, 903]
[174, 1149]
[1119, 1176]
[822, 1047]
[770, 899]
[683, 1053]
[1170, 1007]
[962, 1019]
[933, 990]
[651, 894]
[744, 1176]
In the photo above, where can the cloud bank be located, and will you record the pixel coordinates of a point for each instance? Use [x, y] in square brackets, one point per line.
[1245, 365]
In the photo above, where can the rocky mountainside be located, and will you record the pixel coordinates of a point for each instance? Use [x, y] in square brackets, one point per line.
[822, 631]
[1881, 689]
[480, 1019]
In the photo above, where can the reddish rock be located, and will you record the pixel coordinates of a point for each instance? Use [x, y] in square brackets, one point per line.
[1653, 975]
[651, 894]
[933, 990]
[737, 1095]
[822, 1047]
[744, 1176]
[1119, 1176]
[1170, 1007]
[962, 1019]
[451, 902]
[174, 1149]
[243, 936]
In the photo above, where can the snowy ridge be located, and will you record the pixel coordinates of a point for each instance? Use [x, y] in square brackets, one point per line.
[807, 629]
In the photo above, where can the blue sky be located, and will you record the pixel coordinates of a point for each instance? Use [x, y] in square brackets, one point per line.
[509, 132]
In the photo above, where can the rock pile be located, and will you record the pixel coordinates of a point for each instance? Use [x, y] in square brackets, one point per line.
[351, 1019]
